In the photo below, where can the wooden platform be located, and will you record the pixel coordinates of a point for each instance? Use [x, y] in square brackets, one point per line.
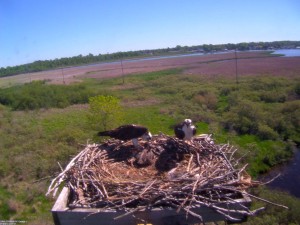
[63, 215]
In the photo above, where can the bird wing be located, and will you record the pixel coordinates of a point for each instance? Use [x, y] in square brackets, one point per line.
[194, 130]
[125, 132]
[179, 133]
[130, 131]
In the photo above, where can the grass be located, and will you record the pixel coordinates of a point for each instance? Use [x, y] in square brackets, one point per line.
[151, 117]
[32, 142]
[273, 214]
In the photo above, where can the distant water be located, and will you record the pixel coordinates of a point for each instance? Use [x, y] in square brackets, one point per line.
[290, 176]
[288, 52]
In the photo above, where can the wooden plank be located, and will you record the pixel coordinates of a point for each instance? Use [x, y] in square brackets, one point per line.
[62, 200]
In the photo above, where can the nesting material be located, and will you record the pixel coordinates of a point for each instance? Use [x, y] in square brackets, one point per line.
[167, 173]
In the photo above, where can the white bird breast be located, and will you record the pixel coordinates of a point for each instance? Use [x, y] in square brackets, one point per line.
[188, 130]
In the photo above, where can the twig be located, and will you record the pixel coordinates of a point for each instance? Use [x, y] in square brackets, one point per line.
[264, 200]
[274, 178]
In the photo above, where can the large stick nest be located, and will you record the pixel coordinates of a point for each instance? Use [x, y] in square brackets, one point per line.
[168, 172]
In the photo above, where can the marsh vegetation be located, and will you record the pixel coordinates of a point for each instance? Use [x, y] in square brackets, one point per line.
[42, 124]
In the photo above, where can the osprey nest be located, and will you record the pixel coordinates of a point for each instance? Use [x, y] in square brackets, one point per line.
[167, 172]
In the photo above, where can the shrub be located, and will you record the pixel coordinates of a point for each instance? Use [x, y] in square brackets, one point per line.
[272, 96]
[105, 112]
[243, 117]
[266, 133]
[225, 91]
[208, 99]
[290, 127]
[297, 88]
[38, 94]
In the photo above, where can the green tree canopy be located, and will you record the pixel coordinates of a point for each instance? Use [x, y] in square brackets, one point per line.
[105, 112]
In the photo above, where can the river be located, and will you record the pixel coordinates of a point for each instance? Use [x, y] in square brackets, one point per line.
[289, 180]
[288, 52]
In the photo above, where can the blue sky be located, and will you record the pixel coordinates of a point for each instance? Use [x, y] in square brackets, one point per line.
[33, 30]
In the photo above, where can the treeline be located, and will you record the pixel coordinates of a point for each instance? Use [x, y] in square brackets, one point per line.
[244, 46]
[90, 58]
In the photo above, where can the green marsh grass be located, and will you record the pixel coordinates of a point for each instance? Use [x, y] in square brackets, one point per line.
[32, 142]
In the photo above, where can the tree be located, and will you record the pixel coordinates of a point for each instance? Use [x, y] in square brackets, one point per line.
[105, 112]
[207, 48]
[242, 46]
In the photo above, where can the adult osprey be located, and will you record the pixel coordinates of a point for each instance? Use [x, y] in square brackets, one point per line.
[185, 130]
[128, 132]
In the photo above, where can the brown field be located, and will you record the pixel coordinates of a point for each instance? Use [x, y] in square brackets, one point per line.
[248, 63]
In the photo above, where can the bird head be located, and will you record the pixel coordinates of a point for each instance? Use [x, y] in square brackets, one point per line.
[147, 136]
[188, 122]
